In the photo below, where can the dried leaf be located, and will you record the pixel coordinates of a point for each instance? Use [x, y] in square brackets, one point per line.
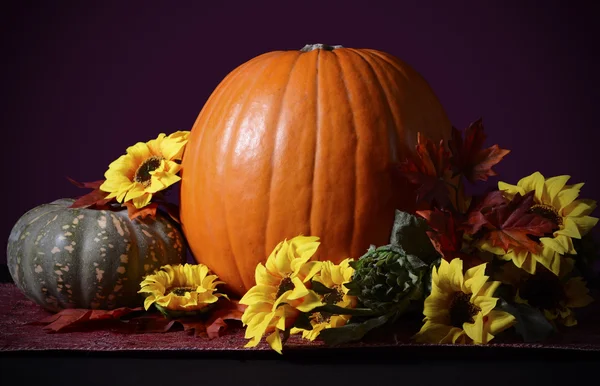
[193, 325]
[216, 325]
[96, 198]
[147, 211]
[429, 170]
[150, 323]
[445, 236]
[480, 207]
[74, 318]
[469, 158]
[86, 185]
[512, 225]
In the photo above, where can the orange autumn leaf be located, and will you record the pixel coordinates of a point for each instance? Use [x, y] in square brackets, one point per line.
[96, 198]
[78, 317]
[511, 224]
[469, 158]
[148, 210]
[429, 171]
[229, 310]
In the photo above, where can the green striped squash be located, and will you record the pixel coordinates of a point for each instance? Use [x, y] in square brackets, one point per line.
[63, 257]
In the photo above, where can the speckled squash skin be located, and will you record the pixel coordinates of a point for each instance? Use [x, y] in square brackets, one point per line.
[63, 257]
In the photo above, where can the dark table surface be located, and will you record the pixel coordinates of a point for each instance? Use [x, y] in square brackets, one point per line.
[408, 365]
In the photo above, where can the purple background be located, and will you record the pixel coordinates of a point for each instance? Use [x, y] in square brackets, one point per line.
[81, 82]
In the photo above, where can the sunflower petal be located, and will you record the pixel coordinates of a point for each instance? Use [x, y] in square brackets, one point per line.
[567, 196]
[579, 208]
[433, 333]
[553, 186]
[499, 321]
[275, 342]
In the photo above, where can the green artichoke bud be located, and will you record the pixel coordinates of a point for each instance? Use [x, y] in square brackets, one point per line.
[386, 278]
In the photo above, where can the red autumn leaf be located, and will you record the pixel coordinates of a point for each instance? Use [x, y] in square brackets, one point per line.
[148, 210]
[428, 170]
[480, 207]
[447, 236]
[150, 323]
[444, 234]
[198, 327]
[95, 198]
[86, 185]
[216, 325]
[512, 225]
[77, 317]
[469, 158]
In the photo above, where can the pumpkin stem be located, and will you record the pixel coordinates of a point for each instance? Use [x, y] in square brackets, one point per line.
[312, 47]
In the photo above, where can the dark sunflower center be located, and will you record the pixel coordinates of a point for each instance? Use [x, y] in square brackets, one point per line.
[462, 310]
[142, 174]
[285, 285]
[333, 297]
[320, 317]
[548, 212]
[181, 291]
[543, 290]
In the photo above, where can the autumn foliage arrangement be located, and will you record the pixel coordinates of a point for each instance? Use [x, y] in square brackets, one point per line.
[511, 263]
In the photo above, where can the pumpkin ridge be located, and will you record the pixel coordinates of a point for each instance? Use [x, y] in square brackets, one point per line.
[225, 90]
[420, 90]
[135, 244]
[343, 77]
[393, 135]
[33, 226]
[315, 156]
[377, 65]
[273, 151]
[394, 64]
[218, 93]
[235, 119]
[78, 292]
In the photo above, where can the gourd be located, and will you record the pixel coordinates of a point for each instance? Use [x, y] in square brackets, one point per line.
[302, 142]
[63, 257]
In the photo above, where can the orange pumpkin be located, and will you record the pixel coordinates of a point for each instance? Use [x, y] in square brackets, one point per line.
[302, 142]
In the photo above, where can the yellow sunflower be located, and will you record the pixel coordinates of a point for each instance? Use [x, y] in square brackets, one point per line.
[460, 309]
[281, 291]
[555, 295]
[556, 200]
[334, 277]
[181, 288]
[145, 169]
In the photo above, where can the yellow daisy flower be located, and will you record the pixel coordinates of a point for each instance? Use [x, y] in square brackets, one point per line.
[555, 295]
[334, 277]
[460, 309]
[281, 291]
[145, 169]
[181, 288]
[556, 200]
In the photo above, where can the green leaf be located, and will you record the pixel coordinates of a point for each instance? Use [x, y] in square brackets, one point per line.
[337, 310]
[427, 277]
[531, 324]
[410, 234]
[303, 322]
[415, 262]
[352, 332]
[320, 288]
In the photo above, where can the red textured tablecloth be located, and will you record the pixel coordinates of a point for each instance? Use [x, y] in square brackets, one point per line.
[17, 334]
